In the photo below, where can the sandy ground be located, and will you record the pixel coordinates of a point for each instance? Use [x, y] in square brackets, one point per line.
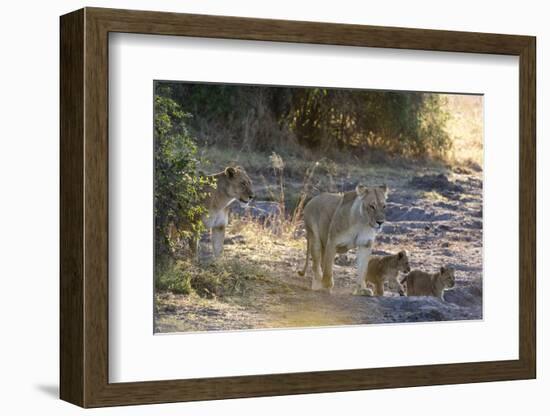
[436, 216]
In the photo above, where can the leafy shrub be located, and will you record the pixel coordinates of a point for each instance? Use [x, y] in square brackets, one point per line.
[178, 190]
[404, 123]
[173, 279]
[282, 118]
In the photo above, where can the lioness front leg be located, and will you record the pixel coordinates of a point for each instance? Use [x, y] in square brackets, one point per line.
[363, 256]
[218, 236]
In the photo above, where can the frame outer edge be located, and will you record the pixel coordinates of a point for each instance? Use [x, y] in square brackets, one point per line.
[309, 32]
[86, 159]
[71, 291]
[96, 218]
[528, 208]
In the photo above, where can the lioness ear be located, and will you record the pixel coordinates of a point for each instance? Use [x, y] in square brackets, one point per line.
[400, 255]
[384, 188]
[230, 171]
[442, 270]
[361, 190]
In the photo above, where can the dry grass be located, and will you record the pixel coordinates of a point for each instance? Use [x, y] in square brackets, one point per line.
[258, 232]
[465, 126]
[224, 278]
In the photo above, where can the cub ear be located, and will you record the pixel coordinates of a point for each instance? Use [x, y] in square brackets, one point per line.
[361, 190]
[442, 270]
[230, 171]
[400, 255]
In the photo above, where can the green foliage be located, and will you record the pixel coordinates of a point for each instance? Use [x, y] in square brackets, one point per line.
[269, 118]
[230, 115]
[405, 123]
[179, 190]
[173, 279]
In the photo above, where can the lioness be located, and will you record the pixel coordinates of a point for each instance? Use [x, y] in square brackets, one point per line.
[231, 184]
[420, 283]
[336, 223]
[387, 268]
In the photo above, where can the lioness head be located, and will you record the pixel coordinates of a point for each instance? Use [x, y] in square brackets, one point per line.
[403, 262]
[239, 184]
[447, 276]
[373, 203]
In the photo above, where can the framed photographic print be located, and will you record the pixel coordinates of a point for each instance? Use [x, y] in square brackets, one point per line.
[256, 207]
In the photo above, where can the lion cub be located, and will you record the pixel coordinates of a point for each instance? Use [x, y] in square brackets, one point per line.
[387, 268]
[420, 283]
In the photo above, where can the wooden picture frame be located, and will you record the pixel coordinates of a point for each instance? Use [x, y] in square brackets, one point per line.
[84, 207]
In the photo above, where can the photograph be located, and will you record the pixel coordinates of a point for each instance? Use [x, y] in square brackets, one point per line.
[299, 207]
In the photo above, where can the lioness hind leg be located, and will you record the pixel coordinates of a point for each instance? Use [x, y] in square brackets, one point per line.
[315, 246]
[379, 288]
[328, 262]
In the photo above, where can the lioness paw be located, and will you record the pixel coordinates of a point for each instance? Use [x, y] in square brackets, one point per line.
[316, 285]
[363, 292]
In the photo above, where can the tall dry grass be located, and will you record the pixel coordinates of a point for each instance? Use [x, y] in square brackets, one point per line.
[465, 127]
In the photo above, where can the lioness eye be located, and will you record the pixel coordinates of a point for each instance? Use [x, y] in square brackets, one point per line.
[372, 207]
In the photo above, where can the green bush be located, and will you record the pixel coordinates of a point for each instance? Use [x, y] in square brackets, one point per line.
[278, 118]
[173, 279]
[404, 123]
[178, 188]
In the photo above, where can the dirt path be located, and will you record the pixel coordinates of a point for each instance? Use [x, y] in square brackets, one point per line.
[437, 218]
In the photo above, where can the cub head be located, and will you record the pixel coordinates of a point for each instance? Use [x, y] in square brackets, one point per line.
[239, 184]
[447, 276]
[403, 262]
[373, 204]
